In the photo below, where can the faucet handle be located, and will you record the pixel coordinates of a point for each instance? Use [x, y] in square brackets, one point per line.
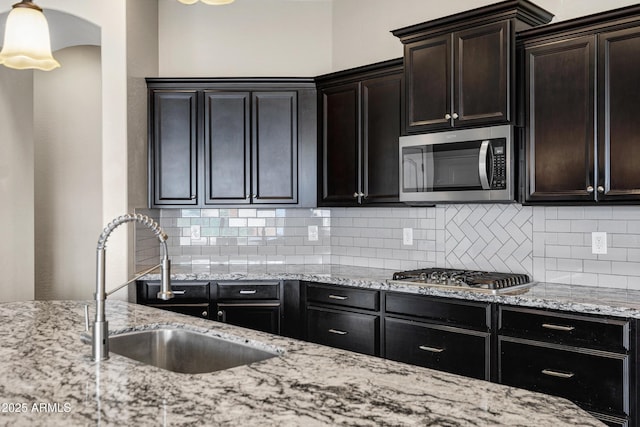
[86, 317]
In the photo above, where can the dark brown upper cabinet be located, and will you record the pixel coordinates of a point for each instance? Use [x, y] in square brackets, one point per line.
[360, 112]
[459, 70]
[232, 142]
[581, 109]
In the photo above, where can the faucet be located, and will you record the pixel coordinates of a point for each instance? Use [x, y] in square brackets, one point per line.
[100, 334]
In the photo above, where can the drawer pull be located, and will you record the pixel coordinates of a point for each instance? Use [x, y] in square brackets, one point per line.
[179, 292]
[558, 327]
[431, 349]
[557, 374]
[247, 291]
[338, 297]
[338, 332]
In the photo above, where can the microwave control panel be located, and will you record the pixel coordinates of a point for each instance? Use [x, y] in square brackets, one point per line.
[499, 175]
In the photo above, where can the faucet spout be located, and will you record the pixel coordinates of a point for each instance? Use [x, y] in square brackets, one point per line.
[100, 334]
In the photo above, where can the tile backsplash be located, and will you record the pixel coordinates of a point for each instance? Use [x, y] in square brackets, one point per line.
[552, 244]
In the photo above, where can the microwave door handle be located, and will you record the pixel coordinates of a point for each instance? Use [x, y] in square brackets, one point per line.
[482, 164]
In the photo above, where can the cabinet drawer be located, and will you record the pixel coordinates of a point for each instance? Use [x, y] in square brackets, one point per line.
[188, 292]
[444, 348]
[348, 331]
[595, 380]
[344, 296]
[473, 315]
[569, 329]
[197, 310]
[248, 290]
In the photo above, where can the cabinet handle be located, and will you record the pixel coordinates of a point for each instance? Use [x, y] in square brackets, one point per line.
[338, 332]
[447, 116]
[590, 189]
[558, 327]
[557, 374]
[600, 189]
[179, 292]
[247, 291]
[455, 116]
[431, 349]
[338, 297]
[204, 314]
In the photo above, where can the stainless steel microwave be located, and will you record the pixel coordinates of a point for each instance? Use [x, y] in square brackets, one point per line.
[470, 165]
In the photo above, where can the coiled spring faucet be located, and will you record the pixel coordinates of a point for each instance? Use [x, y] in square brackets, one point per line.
[100, 335]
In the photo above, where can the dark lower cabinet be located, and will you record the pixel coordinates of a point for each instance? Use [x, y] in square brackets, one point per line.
[259, 316]
[589, 360]
[455, 350]
[250, 304]
[346, 330]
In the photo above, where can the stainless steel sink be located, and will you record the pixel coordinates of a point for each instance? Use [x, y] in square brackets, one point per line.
[185, 351]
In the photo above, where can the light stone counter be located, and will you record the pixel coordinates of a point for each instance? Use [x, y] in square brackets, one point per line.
[46, 373]
[579, 299]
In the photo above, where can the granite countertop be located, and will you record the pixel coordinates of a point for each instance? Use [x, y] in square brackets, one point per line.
[580, 299]
[49, 379]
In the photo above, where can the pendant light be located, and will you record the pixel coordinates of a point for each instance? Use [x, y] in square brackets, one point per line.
[26, 39]
[211, 2]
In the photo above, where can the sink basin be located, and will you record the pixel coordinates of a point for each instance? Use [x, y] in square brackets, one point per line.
[185, 351]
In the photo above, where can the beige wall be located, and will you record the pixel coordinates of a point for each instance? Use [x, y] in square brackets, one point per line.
[361, 28]
[251, 38]
[68, 174]
[16, 185]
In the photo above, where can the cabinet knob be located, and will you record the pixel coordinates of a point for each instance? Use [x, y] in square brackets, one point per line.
[247, 196]
[204, 313]
[361, 194]
[590, 189]
[447, 116]
[355, 194]
[600, 189]
[220, 313]
[254, 196]
[455, 115]
[193, 196]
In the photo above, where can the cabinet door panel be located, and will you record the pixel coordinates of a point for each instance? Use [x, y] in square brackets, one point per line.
[259, 316]
[340, 142]
[454, 350]
[560, 120]
[381, 121]
[481, 64]
[174, 145]
[618, 147]
[275, 147]
[428, 80]
[227, 155]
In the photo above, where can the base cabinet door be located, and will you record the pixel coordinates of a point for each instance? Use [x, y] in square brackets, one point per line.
[259, 316]
[341, 329]
[455, 350]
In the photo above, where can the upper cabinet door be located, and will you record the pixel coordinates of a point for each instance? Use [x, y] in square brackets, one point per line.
[227, 147]
[618, 115]
[481, 74]
[428, 78]
[173, 147]
[275, 147]
[560, 84]
[340, 145]
[381, 121]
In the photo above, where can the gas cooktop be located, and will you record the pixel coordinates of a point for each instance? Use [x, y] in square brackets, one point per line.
[466, 280]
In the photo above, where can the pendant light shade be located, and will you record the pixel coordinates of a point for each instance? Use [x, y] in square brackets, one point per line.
[26, 39]
[211, 2]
